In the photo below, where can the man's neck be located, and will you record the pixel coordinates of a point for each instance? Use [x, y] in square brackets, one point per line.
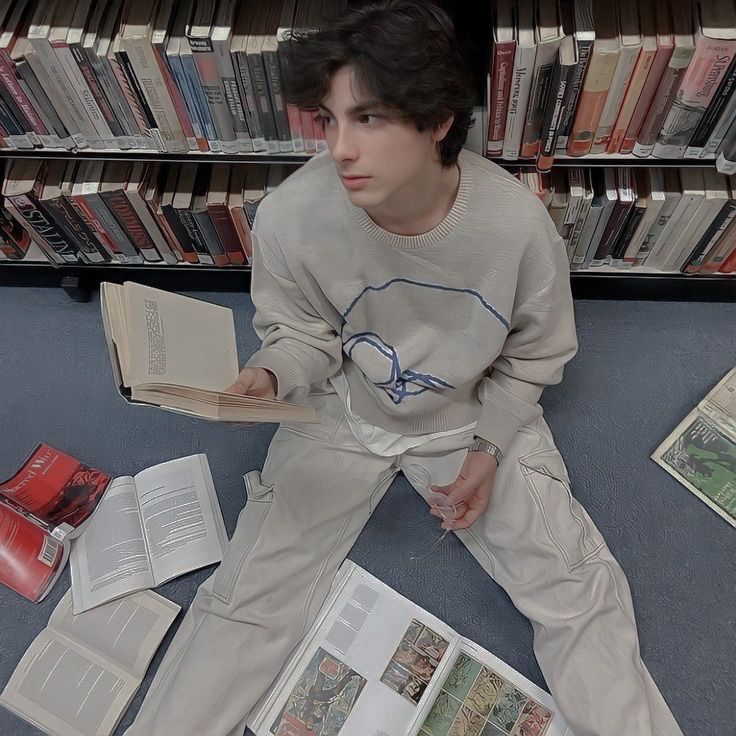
[423, 208]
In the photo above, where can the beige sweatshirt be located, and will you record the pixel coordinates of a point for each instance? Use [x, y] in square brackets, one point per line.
[466, 322]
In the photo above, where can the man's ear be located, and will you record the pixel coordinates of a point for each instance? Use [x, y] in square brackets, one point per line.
[441, 130]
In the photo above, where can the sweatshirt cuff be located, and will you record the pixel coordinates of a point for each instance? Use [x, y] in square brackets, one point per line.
[504, 411]
[289, 374]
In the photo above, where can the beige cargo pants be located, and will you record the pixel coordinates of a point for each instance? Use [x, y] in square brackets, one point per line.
[304, 511]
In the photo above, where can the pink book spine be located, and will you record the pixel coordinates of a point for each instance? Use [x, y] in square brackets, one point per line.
[503, 69]
[7, 74]
[661, 59]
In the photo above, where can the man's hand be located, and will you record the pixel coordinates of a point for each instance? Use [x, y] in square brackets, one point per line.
[255, 382]
[469, 493]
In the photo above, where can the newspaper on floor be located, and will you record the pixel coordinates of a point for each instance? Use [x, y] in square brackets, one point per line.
[701, 451]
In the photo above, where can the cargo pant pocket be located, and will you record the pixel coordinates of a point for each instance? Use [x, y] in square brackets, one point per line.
[567, 523]
[247, 533]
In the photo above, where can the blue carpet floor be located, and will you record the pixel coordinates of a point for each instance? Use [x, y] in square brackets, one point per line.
[641, 367]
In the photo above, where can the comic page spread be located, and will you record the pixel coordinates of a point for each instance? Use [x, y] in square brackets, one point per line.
[375, 664]
[701, 451]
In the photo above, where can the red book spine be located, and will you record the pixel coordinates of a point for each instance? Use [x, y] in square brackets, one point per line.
[220, 216]
[729, 265]
[503, 68]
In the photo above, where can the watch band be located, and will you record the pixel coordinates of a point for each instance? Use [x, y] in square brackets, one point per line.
[481, 445]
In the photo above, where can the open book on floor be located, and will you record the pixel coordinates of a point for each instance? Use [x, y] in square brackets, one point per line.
[701, 451]
[49, 501]
[375, 663]
[79, 675]
[150, 528]
[180, 354]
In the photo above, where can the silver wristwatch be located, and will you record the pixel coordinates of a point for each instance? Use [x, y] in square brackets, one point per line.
[481, 445]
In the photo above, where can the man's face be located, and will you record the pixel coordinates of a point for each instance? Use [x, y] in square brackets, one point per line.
[380, 159]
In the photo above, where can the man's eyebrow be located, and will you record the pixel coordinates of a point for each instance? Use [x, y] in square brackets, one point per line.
[360, 108]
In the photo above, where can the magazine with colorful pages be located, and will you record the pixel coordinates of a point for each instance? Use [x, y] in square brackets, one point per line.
[375, 663]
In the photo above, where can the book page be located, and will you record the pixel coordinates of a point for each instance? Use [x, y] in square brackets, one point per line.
[182, 519]
[178, 340]
[365, 668]
[481, 694]
[67, 689]
[111, 558]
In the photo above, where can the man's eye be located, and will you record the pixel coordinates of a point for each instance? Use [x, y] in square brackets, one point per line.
[369, 119]
[323, 119]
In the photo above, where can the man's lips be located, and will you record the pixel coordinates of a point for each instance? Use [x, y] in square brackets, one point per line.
[354, 182]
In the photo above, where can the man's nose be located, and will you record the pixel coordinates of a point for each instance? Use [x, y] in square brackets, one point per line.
[344, 147]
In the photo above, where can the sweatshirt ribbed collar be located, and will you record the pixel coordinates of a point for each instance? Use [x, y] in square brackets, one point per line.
[439, 231]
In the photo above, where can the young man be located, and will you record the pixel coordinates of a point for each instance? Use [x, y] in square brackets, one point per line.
[418, 297]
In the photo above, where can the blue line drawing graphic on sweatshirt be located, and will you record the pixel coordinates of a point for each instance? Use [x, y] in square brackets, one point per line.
[383, 357]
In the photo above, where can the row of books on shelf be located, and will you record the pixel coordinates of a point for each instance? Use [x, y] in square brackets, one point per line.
[132, 213]
[152, 74]
[585, 77]
[680, 220]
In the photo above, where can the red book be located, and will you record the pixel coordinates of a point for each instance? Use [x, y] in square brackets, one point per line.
[220, 214]
[729, 265]
[502, 70]
[43, 506]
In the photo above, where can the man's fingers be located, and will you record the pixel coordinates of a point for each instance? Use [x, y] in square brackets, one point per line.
[237, 388]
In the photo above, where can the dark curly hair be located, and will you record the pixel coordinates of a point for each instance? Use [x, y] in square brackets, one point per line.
[404, 53]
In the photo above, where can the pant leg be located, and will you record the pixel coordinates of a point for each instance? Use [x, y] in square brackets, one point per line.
[304, 511]
[541, 546]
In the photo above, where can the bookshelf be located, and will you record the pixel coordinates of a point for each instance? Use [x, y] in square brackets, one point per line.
[80, 279]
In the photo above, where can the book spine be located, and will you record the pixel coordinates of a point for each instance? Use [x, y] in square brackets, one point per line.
[192, 79]
[58, 136]
[15, 124]
[619, 84]
[709, 65]
[240, 221]
[150, 137]
[724, 123]
[627, 233]
[720, 250]
[162, 249]
[558, 101]
[174, 96]
[670, 82]
[729, 263]
[220, 216]
[80, 98]
[282, 119]
[21, 102]
[307, 126]
[121, 209]
[648, 92]
[250, 103]
[94, 89]
[221, 50]
[544, 66]
[710, 237]
[30, 209]
[90, 219]
[22, 218]
[186, 247]
[585, 49]
[144, 64]
[76, 230]
[639, 77]
[263, 103]
[111, 227]
[592, 100]
[182, 83]
[707, 125]
[498, 102]
[209, 76]
[196, 238]
[210, 239]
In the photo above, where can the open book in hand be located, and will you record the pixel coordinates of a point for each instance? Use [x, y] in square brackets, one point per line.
[49, 501]
[701, 451]
[79, 675]
[180, 354]
[375, 663]
[150, 528]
